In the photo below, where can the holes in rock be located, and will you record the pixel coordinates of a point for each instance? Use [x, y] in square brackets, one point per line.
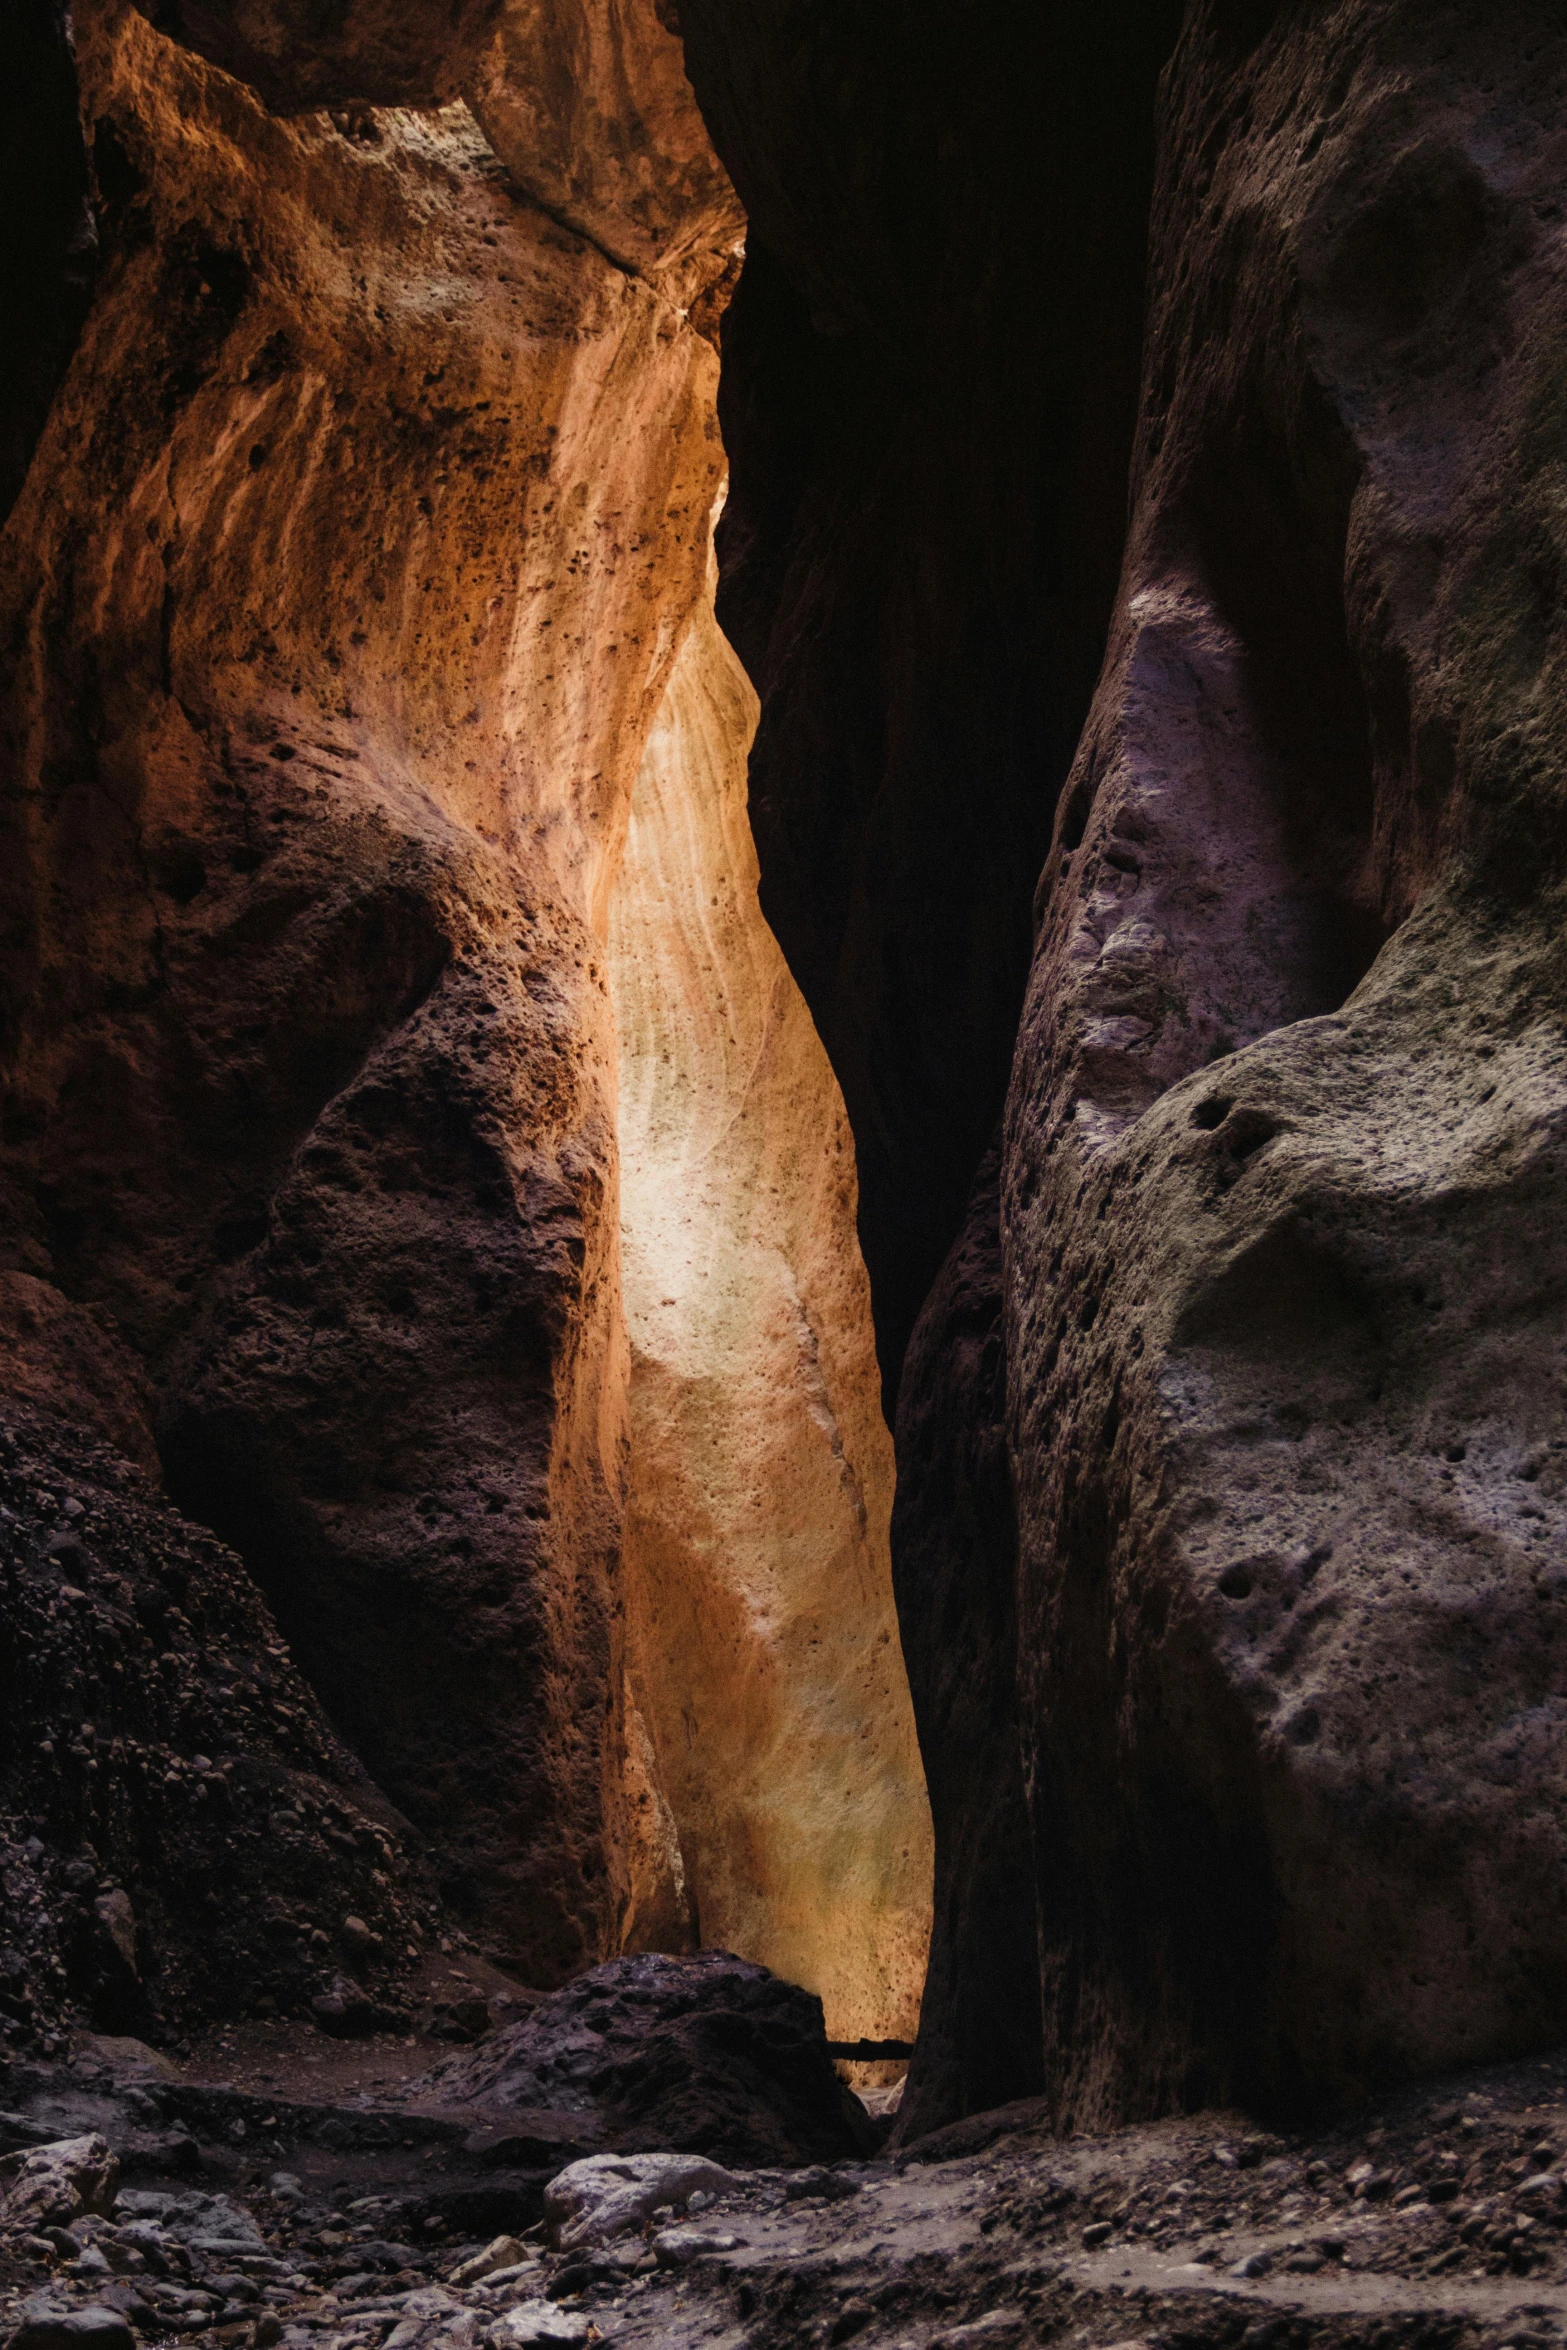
[1246, 1131]
[179, 873]
[1413, 248]
[119, 180]
[220, 279]
[1212, 1112]
[1236, 1583]
[1273, 524]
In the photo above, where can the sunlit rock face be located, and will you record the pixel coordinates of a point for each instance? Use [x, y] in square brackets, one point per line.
[1284, 1173]
[761, 1644]
[341, 594]
[352, 570]
[585, 101]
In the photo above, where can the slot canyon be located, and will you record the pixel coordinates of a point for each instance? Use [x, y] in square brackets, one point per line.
[783, 1321]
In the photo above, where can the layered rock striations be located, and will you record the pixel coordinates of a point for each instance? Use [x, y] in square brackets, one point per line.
[1283, 1167]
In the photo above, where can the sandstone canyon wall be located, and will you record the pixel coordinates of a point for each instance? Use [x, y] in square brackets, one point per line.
[1283, 1161]
[1229, 1433]
[350, 572]
[411, 1126]
[762, 1641]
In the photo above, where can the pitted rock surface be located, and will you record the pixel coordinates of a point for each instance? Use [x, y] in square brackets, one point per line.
[180, 1827]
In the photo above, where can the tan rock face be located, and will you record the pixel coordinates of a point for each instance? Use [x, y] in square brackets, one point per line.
[1282, 1202]
[345, 586]
[589, 107]
[586, 103]
[347, 582]
[762, 1647]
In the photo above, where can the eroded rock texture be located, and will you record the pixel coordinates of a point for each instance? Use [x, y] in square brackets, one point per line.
[340, 603]
[1276, 1310]
[1282, 1201]
[181, 1833]
[349, 577]
[785, 1804]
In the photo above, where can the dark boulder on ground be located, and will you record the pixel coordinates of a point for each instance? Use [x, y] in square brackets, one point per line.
[707, 2055]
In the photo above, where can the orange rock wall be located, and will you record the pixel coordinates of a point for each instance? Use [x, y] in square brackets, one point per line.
[349, 577]
[762, 1644]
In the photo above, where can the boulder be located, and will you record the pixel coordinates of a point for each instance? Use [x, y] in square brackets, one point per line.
[93, 2328]
[51, 2185]
[607, 2194]
[542, 2323]
[704, 2055]
[504, 2252]
[678, 2247]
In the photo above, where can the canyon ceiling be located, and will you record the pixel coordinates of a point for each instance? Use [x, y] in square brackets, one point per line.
[499, 1145]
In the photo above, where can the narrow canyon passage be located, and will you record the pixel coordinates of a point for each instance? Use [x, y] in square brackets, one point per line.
[784, 1110]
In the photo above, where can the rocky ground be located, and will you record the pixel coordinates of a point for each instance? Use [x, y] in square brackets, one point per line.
[378, 2223]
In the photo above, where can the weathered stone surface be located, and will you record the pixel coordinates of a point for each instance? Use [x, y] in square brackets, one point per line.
[351, 575]
[177, 1818]
[704, 2055]
[309, 826]
[588, 105]
[69, 1363]
[49, 2186]
[784, 1811]
[1282, 1203]
[602, 2197]
[586, 102]
[92, 2328]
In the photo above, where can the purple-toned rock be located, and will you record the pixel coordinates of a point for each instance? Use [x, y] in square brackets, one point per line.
[705, 2055]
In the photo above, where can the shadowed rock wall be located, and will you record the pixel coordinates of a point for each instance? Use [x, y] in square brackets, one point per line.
[928, 395]
[1281, 1201]
[1273, 1295]
[46, 265]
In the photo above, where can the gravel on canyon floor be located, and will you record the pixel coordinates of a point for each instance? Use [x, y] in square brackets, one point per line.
[1437, 2218]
